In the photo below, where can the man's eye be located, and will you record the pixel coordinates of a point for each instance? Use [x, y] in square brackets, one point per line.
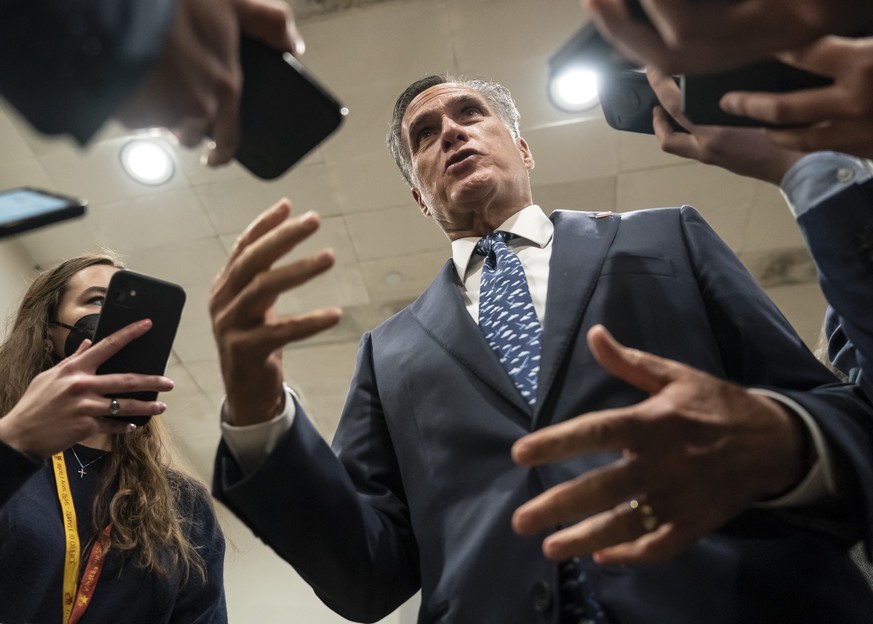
[472, 111]
[425, 133]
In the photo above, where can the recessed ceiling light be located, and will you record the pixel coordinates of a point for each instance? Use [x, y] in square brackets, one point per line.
[574, 90]
[147, 161]
[393, 278]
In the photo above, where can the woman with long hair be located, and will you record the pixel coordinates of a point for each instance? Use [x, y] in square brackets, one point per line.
[95, 526]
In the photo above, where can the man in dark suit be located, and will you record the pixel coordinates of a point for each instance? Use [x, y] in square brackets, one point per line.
[506, 501]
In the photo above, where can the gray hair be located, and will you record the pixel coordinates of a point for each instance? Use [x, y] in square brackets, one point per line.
[496, 94]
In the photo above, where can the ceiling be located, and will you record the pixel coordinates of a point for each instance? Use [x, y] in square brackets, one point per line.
[368, 51]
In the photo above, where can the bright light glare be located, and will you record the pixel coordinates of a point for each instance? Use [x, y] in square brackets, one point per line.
[574, 90]
[147, 162]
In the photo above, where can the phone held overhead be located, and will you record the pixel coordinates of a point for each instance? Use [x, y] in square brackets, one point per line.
[701, 94]
[26, 208]
[133, 297]
[627, 98]
[284, 111]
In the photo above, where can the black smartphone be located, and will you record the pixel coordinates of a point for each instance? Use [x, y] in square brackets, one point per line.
[132, 297]
[26, 208]
[627, 100]
[701, 93]
[284, 111]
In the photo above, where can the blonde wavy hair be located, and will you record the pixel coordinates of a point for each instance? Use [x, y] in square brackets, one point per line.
[139, 493]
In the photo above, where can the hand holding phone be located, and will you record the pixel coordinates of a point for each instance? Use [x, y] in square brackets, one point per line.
[701, 94]
[284, 111]
[133, 297]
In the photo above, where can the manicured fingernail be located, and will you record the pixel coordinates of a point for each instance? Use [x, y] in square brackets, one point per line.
[130, 427]
[728, 103]
[215, 158]
[309, 218]
[161, 408]
[296, 39]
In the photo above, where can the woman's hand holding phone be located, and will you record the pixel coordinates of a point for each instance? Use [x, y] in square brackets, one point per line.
[67, 403]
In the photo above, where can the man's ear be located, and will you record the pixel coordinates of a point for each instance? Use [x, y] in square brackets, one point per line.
[526, 154]
[421, 205]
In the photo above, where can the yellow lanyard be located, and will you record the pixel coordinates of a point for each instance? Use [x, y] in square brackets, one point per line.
[71, 558]
[76, 601]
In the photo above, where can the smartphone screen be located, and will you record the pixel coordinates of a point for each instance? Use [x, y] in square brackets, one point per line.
[132, 297]
[25, 208]
[284, 112]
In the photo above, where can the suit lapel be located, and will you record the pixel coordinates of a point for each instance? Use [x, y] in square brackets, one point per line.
[578, 252]
[441, 313]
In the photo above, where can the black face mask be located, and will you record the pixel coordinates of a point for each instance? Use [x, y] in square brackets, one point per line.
[84, 328]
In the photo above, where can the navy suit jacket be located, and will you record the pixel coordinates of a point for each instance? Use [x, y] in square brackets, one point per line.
[419, 487]
[839, 232]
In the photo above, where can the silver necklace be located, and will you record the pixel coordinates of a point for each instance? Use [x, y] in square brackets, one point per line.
[82, 466]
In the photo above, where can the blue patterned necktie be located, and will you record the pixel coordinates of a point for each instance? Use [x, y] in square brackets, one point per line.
[507, 317]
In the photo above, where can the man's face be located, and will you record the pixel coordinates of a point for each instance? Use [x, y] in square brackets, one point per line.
[463, 156]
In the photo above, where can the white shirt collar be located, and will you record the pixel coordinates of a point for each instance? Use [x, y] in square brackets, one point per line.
[531, 224]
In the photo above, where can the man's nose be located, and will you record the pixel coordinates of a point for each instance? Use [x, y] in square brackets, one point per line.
[452, 132]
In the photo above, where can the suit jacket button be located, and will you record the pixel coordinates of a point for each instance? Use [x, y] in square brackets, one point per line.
[541, 596]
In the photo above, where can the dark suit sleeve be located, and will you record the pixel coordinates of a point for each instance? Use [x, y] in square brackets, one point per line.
[759, 348]
[343, 525]
[839, 232]
[67, 66]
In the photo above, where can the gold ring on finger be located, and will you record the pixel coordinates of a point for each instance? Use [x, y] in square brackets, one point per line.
[648, 519]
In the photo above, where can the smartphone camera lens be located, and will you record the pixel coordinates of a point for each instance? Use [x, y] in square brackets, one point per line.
[630, 101]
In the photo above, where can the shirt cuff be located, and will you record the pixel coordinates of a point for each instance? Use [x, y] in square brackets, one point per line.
[818, 485]
[250, 445]
[820, 175]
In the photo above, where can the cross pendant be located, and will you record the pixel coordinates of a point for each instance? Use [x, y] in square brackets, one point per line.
[82, 472]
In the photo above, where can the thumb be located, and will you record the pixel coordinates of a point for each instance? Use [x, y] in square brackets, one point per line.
[640, 369]
[271, 21]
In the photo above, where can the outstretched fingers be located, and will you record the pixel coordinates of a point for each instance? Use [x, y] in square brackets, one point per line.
[640, 369]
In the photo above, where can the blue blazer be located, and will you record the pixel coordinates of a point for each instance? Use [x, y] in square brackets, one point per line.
[419, 487]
